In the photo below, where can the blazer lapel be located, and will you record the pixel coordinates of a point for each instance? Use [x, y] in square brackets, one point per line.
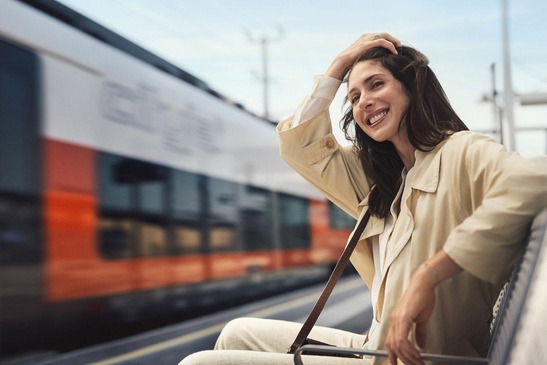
[425, 177]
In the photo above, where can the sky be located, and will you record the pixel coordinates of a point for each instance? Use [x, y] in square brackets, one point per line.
[219, 41]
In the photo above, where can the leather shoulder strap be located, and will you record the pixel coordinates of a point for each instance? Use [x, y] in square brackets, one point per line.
[336, 273]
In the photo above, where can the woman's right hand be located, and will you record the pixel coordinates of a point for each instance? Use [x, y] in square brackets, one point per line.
[341, 64]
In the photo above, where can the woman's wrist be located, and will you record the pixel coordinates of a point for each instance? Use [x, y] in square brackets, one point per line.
[338, 69]
[427, 276]
[437, 269]
[432, 273]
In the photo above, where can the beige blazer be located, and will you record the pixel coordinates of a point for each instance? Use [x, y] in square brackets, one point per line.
[469, 196]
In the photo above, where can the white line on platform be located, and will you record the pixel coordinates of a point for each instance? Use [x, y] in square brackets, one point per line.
[350, 285]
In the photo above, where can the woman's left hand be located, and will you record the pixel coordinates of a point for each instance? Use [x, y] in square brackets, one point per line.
[413, 310]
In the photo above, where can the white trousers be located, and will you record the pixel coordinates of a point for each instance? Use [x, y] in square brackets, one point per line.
[257, 341]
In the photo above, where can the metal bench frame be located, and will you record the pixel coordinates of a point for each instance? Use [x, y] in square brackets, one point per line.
[506, 320]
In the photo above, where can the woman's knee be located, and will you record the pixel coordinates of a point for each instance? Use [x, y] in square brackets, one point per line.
[235, 334]
[199, 358]
[257, 334]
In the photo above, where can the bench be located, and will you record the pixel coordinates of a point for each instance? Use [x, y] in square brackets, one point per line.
[515, 326]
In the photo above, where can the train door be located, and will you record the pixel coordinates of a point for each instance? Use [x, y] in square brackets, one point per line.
[21, 250]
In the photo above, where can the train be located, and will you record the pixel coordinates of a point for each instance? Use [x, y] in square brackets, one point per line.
[130, 188]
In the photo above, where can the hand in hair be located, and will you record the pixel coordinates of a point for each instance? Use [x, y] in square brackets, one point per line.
[344, 60]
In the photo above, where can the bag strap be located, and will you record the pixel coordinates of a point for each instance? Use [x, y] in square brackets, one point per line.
[336, 273]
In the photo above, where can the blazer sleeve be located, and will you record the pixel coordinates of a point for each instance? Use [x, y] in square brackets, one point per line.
[312, 150]
[506, 191]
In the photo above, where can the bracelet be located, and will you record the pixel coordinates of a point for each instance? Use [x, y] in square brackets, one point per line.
[436, 274]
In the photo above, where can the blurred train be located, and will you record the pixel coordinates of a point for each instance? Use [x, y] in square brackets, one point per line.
[128, 187]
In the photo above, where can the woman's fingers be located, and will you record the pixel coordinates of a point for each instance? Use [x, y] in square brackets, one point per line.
[398, 345]
[404, 319]
[406, 354]
[347, 57]
[387, 41]
[390, 46]
[412, 314]
[372, 40]
[390, 38]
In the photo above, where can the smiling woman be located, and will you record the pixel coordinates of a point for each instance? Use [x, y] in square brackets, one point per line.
[445, 203]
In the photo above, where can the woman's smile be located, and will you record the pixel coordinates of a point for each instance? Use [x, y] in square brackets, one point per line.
[377, 117]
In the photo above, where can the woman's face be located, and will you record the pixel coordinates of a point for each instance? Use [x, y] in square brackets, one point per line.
[378, 100]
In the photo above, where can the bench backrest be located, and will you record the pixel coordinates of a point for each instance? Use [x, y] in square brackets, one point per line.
[524, 283]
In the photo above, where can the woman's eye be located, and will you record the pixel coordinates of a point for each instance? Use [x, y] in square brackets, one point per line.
[354, 99]
[376, 84]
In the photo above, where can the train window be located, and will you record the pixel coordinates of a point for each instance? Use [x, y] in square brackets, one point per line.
[113, 193]
[187, 211]
[187, 238]
[118, 228]
[153, 240]
[19, 140]
[340, 219]
[152, 198]
[186, 197]
[19, 160]
[133, 207]
[294, 221]
[19, 233]
[116, 235]
[223, 212]
[256, 218]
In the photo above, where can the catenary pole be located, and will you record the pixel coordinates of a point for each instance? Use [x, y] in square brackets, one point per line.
[508, 131]
[265, 41]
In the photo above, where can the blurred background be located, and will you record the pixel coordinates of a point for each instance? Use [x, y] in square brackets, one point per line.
[221, 43]
[140, 178]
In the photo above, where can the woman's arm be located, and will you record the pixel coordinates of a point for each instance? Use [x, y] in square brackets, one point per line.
[312, 150]
[309, 146]
[323, 93]
[506, 191]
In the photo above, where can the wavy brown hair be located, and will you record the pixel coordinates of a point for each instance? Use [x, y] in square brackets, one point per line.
[429, 120]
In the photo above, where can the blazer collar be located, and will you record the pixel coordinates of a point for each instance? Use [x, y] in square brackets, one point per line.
[425, 178]
[426, 169]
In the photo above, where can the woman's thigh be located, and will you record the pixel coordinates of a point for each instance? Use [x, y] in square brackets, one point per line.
[242, 357]
[268, 335]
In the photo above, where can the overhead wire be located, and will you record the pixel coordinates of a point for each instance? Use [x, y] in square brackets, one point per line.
[175, 7]
[189, 25]
[171, 29]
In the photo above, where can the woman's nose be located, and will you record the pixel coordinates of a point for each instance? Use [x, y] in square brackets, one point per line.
[365, 101]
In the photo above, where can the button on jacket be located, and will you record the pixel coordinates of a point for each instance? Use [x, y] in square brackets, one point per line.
[469, 197]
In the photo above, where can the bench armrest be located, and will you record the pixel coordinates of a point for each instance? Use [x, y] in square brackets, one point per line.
[332, 350]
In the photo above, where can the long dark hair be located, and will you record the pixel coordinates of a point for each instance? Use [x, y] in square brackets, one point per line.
[429, 120]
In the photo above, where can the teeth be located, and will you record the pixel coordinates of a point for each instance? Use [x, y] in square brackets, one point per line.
[377, 117]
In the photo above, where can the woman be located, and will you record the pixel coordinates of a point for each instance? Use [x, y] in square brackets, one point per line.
[449, 210]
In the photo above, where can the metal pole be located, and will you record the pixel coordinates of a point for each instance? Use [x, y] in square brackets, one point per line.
[496, 110]
[265, 79]
[265, 76]
[509, 124]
